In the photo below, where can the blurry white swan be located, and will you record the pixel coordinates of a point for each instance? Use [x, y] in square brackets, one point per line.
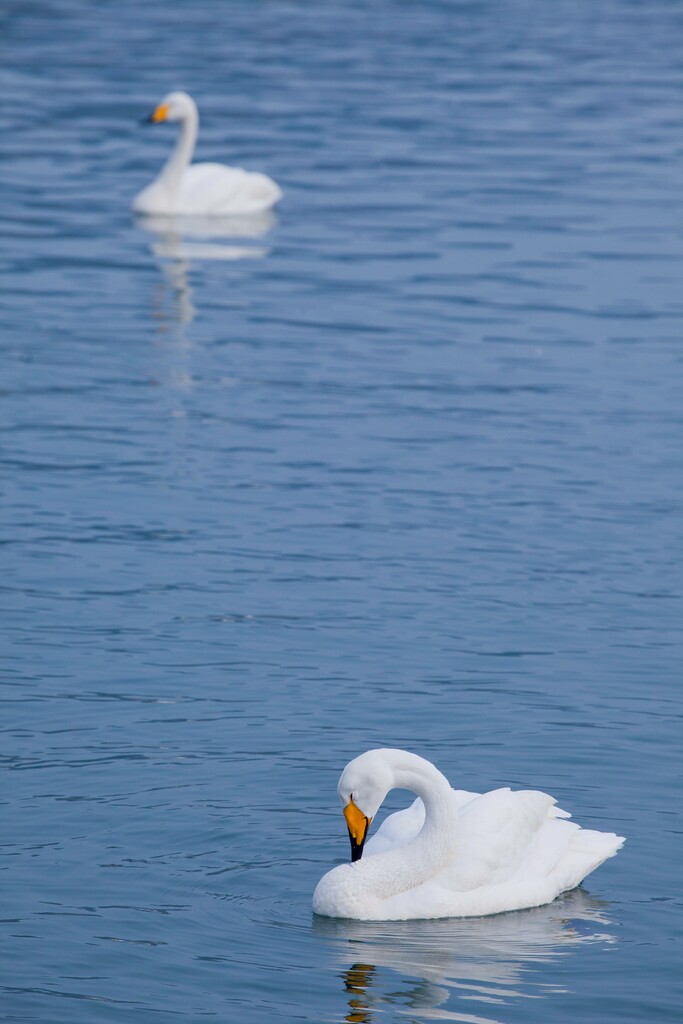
[200, 189]
[451, 853]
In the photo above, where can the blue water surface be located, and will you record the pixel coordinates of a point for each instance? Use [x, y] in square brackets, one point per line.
[402, 467]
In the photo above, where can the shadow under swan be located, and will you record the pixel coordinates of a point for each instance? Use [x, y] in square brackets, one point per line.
[466, 961]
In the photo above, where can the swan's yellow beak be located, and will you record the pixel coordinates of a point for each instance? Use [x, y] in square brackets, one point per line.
[357, 824]
[160, 113]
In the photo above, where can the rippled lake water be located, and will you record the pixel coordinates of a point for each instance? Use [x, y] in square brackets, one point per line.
[401, 468]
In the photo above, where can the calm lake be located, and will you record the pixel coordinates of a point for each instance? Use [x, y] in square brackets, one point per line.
[400, 466]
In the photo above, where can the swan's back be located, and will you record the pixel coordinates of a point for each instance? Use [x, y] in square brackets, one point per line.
[401, 827]
[219, 189]
[522, 838]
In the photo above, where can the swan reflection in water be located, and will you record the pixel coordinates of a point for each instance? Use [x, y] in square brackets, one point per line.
[181, 242]
[178, 241]
[208, 238]
[478, 960]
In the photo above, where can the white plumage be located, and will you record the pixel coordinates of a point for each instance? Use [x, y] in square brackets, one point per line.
[452, 853]
[207, 189]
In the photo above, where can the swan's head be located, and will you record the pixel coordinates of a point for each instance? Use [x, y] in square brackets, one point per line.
[363, 785]
[176, 106]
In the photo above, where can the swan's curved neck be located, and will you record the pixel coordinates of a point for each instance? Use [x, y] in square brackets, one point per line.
[397, 870]
[172, 171]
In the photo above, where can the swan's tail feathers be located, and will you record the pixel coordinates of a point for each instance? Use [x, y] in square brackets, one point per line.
[557, 812]
[587, 850]
[606, 842]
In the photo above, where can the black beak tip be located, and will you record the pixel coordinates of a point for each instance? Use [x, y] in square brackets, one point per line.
[356, 849]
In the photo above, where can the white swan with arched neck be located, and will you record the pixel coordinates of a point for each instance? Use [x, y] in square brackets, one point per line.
[451, 853]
